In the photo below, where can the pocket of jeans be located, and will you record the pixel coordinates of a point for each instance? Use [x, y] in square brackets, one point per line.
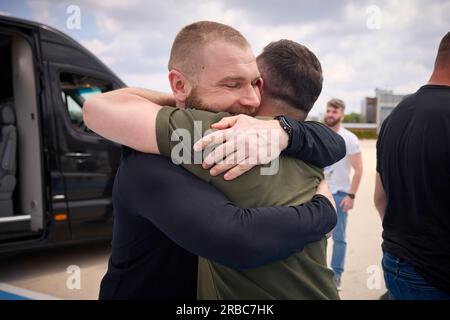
[413, 278]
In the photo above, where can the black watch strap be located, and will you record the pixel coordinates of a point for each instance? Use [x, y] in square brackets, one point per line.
[351, 195]
[286, 127]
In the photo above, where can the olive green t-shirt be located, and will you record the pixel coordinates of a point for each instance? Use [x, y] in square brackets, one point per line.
[303, 275]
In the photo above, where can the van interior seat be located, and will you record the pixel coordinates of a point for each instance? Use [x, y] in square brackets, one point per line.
[8, 157]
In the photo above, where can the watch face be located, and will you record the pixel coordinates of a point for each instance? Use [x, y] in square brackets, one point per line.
[286, 127]
[285, 124]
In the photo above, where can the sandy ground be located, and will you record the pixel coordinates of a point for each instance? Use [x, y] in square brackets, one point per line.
[46, 271]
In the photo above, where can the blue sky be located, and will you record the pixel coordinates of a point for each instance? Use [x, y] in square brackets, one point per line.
[362, 45]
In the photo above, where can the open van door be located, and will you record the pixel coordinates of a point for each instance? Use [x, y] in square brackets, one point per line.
[56, 176]
[23, 203]
[88, 162]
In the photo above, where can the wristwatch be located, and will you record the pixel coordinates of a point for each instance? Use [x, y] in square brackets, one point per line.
[351, 195]
[286, 127]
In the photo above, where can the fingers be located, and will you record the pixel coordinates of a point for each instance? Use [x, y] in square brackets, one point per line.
[231, 161]
[219, 153]
[225, 123]
[349, 206]
[346, 205]
[238, 170]
[221, 168]
[341, 204]
[211, 139]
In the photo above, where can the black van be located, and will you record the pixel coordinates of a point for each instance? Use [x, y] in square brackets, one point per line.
[56, 175]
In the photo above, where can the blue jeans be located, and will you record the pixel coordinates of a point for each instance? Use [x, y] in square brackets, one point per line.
[404, 283]
[339, 243]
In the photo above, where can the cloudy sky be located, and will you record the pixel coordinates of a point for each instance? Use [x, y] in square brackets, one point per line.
[362, 45]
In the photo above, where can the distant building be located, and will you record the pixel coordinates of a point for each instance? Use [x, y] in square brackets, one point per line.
[386, 102]
[369, 110]
[376, 109]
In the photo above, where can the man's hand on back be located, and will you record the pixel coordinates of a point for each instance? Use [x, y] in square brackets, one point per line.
[323, 190]
[244, 142]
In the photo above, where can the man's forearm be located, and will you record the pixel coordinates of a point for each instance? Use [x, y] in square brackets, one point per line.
[357, 165]
[315, 143]
[126, 116]
[157, 97]
[356, 180]
[380, 199]
[380, 205]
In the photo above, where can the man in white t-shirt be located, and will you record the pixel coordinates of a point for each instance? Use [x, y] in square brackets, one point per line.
[338, 178]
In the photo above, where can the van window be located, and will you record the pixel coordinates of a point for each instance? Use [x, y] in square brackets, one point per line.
[75, 90]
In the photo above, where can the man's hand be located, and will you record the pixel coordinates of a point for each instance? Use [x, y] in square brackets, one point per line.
[244, 142]
[323, 190]
[347, 203]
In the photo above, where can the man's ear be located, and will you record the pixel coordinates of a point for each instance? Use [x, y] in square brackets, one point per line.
[260, 85]
[180, 86]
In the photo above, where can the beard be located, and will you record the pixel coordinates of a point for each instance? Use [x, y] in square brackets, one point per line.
[331, 122]
[194, 101]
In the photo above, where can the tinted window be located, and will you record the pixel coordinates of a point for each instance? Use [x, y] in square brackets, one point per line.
[75, 90]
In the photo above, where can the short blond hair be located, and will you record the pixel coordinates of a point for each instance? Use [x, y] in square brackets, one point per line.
[185, 55]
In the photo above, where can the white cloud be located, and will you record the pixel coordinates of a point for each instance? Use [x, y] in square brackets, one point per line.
[134, 37]
[398, 15]
[260, 36]
[156, 81]
[41, 11]
[100, 49]
[338, 70]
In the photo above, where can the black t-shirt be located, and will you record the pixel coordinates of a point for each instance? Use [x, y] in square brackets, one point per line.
[413, 159]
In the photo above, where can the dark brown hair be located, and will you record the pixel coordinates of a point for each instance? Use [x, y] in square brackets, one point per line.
[292, 74]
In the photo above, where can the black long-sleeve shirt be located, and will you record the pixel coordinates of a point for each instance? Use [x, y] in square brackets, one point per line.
[315, 143]
[161, 211]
